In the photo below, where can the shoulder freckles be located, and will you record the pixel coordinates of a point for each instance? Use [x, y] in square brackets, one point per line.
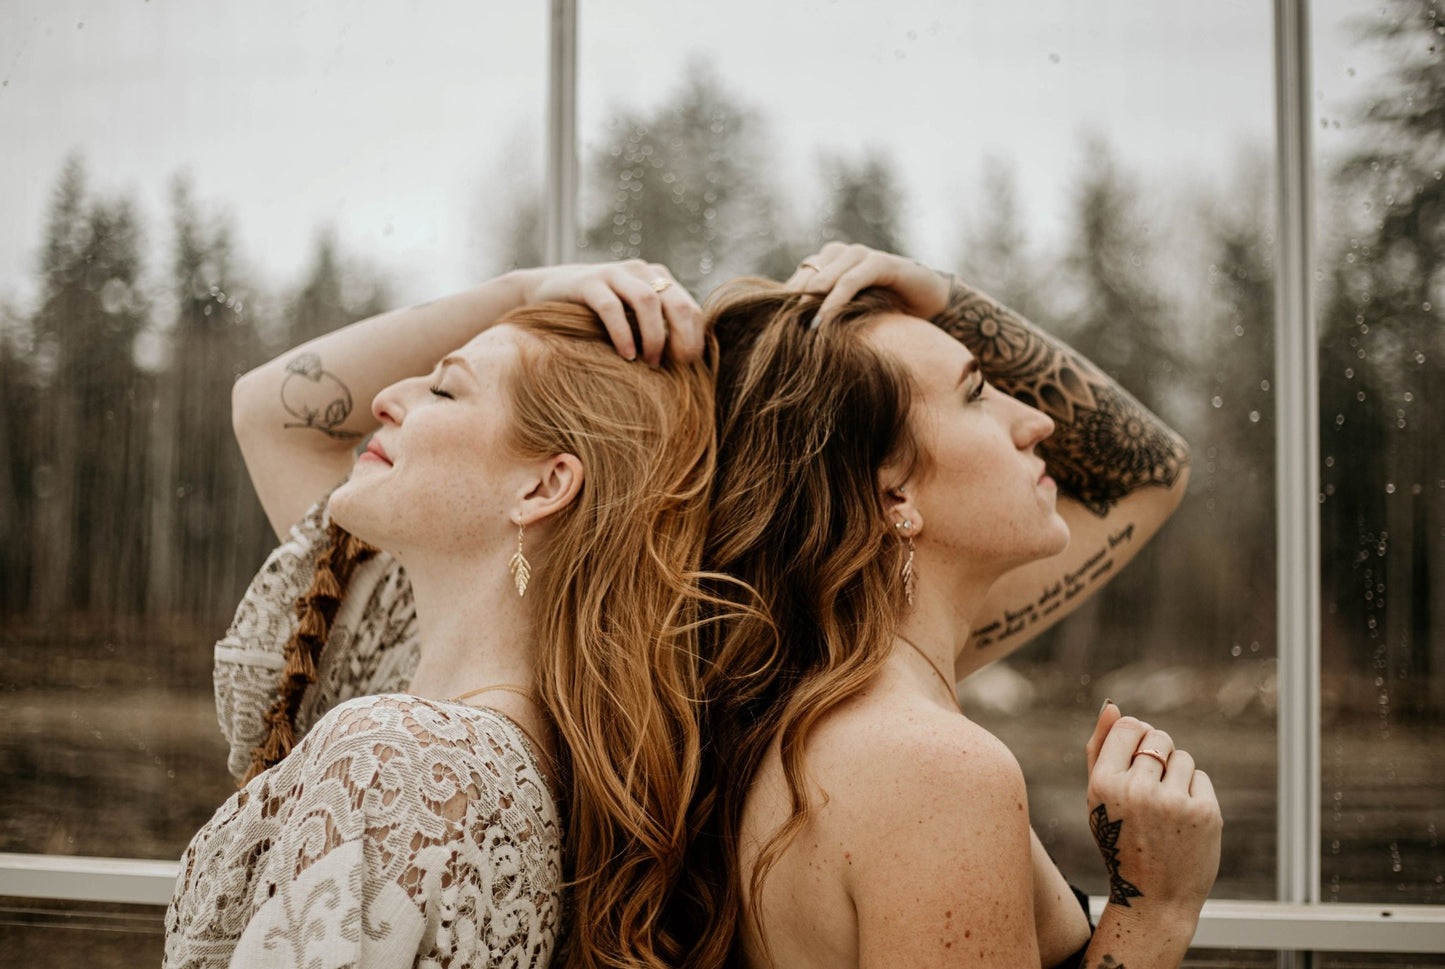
[944, 759]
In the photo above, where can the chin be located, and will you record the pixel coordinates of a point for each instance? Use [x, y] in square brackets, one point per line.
[348, 509]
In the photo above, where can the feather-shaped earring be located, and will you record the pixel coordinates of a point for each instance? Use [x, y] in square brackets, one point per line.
[908, 582]
[520, 568]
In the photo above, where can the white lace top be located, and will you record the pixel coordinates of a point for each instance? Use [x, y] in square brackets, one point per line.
[400, 831]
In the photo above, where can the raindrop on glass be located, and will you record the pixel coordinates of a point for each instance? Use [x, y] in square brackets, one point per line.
[1217, 401]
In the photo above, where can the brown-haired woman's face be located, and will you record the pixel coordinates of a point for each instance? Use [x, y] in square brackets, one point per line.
[980, 490]
[439, 473]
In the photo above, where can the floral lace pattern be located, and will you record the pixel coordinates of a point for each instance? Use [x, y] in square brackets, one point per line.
[399, 832]
[372, 648]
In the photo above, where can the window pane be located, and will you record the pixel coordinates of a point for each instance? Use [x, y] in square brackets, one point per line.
[80, 935]
[190, 189]
[1381, 213]
[1104, 168]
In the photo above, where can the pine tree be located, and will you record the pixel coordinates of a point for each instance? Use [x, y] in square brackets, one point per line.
[1382, 361]
[865, 201]
[687, 185]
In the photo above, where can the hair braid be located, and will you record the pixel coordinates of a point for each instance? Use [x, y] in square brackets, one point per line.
[315, 610]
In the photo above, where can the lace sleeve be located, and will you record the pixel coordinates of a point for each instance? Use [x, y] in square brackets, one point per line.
[371, 648]
[399, 832]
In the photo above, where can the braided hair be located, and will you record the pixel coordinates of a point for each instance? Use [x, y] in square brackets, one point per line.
[335, 562]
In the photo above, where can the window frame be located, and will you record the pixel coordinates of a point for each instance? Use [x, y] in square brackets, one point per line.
[1298, 922]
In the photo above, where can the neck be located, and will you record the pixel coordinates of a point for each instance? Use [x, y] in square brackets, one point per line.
[475, 629]
[942, 615]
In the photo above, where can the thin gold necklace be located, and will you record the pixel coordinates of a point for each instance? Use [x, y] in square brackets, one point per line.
[549, 766]
[516, 688]
[951, 690]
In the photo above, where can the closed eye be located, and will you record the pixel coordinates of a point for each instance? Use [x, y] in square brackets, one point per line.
[437, 390]
[977, 390]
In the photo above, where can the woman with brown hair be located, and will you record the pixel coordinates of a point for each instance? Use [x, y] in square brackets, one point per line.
[915, 481]
[438, 762]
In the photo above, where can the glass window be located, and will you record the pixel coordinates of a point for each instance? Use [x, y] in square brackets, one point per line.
[1103, 168]
[1380, 76]
[190, 190]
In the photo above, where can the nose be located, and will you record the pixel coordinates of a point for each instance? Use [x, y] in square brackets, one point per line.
[1032, 426]
[388, 406]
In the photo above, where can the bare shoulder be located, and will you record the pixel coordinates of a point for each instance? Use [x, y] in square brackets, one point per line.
[879, 758]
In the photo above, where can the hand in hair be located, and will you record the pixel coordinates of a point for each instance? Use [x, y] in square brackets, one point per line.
[843, 271]
[666, 315]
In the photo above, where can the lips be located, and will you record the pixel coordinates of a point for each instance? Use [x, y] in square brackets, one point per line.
[375, 450]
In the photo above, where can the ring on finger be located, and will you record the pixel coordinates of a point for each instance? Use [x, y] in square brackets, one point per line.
[1151, 752]
[660, 283]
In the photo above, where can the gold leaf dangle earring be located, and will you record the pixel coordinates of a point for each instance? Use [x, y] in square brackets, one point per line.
[520, 568]
[908, 582]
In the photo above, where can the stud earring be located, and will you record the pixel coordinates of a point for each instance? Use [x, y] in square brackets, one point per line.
[520, 568]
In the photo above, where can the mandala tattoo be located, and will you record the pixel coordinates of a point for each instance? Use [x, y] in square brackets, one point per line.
[316, 397]
[1106, 836]
[1105, 444]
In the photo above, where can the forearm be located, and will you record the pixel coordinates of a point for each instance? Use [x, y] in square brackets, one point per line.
[318, 395]
[1130, 940]
[1106, 444]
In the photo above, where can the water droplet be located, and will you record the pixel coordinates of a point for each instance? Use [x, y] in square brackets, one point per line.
[1390, 488]
[1235, 650]
[1264, 386]
[1329, 461]
[1419, 357]
[1349, 373]
[1360, 396]
[1217, 401]
[1254, 417]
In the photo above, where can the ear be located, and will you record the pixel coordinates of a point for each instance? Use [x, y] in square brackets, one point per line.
[902, 513]
[557, 481]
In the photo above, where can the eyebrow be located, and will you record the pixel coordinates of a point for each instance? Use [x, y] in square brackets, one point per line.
[454, 360]
[969, 369]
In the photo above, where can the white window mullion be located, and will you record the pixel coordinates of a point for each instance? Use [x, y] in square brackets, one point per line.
[1297, 466]
[560, 203]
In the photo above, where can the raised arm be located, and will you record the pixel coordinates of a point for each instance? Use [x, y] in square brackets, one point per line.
[1121, 471]
[299, 417]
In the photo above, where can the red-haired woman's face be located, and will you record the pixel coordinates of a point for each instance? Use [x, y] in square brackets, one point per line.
[439, 473]
[981, 496]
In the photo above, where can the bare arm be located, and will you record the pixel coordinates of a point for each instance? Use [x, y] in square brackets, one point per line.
[1121, 470]
[299, 417]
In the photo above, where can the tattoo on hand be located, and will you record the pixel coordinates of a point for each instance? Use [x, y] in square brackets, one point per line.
[316, 397]
[1106, 836]
[1106, 444]
[1069, 586]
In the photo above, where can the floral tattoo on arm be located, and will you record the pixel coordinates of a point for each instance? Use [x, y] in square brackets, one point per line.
[316, 397]
[1105, 444]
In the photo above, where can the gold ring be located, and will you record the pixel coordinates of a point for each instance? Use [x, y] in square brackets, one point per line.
[805, 264]
[660, 283]
[1151, 752]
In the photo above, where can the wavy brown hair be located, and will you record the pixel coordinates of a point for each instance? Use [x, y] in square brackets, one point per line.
[618, 601]
[807, 419]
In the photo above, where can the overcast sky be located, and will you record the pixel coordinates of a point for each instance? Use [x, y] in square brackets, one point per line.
[406, 125]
